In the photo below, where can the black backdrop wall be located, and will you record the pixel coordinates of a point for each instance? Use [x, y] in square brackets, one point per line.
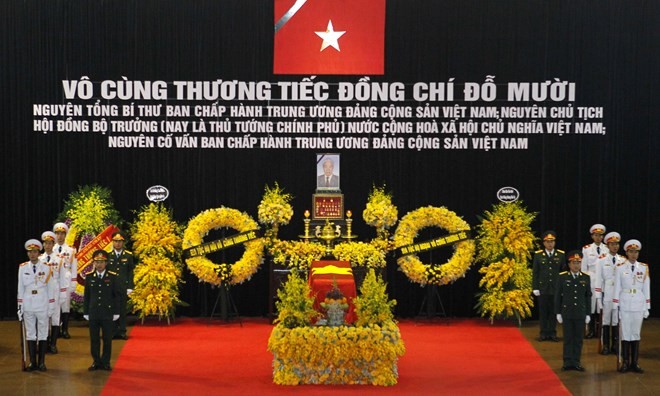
[609, 49]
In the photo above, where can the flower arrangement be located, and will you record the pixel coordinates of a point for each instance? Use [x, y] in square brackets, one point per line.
[380, 212]
[370, 255]
[87, 212]
[412, 266]
[335, 306]
[157, 245]
[296, 255]
[275, 208]
[296, 303]
[228, 274]
[505, 241]
[372, 306]
[336, 355]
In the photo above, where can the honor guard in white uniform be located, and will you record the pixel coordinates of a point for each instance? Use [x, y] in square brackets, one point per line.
[36, 303]
[632, 296]
[605, 268]
[50, 258]
[590, 254]
[69, 263]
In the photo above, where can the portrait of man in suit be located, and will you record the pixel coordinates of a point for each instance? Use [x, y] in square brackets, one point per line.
[327, 170]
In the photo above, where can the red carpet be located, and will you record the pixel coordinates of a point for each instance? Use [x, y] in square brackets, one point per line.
[197, 356]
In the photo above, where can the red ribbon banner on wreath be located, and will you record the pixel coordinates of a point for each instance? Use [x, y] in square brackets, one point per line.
[84, 255]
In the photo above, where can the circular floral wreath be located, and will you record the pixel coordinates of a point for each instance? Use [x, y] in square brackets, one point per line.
[413, 267]
[216, 274]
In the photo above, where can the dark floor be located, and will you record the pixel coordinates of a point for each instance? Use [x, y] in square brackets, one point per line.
[67, 373]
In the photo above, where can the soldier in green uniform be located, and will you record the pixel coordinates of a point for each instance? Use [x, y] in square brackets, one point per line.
[546, 265]
[572, 302]
[122, 263]
[101, 309]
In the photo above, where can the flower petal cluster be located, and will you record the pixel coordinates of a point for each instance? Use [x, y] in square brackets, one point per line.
[90, 209]
[228, 274]
[412, 266]
[370, 255]
[505, 242]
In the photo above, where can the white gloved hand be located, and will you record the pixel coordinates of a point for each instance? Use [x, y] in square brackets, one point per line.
[646, 314]
[559, 318]
[129, 291]
[599, 304]
[587, 320]
[536, 292]
[115, 317]
[86, 317]
[19, 312]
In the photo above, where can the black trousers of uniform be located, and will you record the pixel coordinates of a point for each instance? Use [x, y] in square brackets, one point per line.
[547, 317]
[573, 337]
[120, 326]
[101, 328]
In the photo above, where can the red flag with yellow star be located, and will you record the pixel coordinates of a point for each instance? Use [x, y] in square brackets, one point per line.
[329, 37]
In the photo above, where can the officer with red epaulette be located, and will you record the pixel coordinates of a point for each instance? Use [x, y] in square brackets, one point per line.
[590, 254]
[58, 278]
[605, 268]
[632, 296]
[36, 303]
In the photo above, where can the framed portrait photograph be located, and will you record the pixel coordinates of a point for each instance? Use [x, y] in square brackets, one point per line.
[327, 172]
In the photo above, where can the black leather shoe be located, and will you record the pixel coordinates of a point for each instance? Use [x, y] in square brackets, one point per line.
[636, 369]
[52, 349]
[66, 335]
[94, 367]
[42, 367]
[605, 351]
[578, 368]
[553, 339]
[31, 367]
[123, 337]
[566, 368]
[624, 368]
[589, 335]
[107, 367]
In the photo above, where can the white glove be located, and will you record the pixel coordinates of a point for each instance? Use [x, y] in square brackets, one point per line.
[19, 312]
[86, 317]
[646, 314]
[115, 317]
[559, 318]
[599, 304]
[588, 319]
[536, 292]
[129, 291]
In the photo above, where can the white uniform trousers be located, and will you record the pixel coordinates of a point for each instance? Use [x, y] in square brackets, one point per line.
[36, 325]
[631, 325]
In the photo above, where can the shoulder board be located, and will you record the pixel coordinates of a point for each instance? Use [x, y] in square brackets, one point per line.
[620, 264]
[620, 256]
[89, 273]
[644, 264]
[22, 264]
[538, 251]
[584, 273]
[560, 251]
[112, 273]
[128, 251]
[602, 255]
[586, 246]
[563, 273]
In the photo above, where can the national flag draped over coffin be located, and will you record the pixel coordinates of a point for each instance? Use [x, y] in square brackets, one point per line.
[329, 37]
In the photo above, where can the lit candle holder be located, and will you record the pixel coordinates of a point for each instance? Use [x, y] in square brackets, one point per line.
[306, 220]
[349, 226]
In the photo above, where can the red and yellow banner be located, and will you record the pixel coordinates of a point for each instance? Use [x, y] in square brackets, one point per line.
[102, 241]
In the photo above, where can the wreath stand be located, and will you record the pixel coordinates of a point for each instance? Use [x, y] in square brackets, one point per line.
[431, 302]
[226, 303]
